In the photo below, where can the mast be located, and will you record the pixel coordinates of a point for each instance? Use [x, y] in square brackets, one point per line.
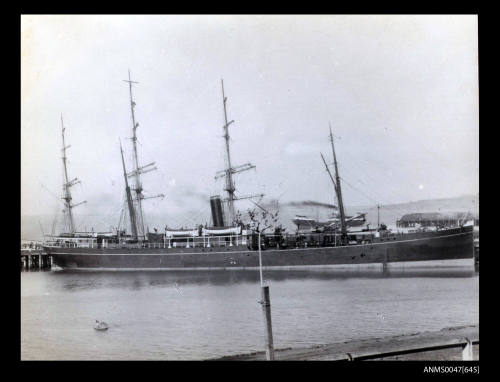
[138, 185]
[229, 176]
[229, 171]
[133, 223]
[338, 189]
[139, 196]
[70, 224]
[329, 173]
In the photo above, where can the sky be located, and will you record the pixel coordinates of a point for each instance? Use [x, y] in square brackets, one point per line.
[400, 92]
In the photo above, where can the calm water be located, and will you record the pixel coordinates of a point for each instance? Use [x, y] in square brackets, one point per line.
[199, 315]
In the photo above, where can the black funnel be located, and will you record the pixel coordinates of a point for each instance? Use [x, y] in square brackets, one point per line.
[216, 207]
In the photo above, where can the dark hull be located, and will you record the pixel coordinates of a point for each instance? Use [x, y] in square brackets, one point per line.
[443, 245]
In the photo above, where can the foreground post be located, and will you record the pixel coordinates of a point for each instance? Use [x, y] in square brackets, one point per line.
[266, 311]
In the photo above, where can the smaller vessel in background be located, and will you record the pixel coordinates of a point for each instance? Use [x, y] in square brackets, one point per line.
[305, 223]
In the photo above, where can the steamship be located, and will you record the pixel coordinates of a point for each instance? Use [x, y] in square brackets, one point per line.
[230, 243]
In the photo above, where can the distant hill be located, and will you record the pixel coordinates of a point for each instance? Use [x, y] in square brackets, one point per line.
[31, 224]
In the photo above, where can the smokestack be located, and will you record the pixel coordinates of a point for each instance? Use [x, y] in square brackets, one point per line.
[216, 207]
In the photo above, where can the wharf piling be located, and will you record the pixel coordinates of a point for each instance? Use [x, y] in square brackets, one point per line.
[35, 261]
[33, 257]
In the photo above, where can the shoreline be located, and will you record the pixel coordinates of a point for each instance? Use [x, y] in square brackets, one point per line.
[383, 347]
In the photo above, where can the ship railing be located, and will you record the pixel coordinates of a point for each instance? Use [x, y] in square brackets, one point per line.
[203, 241]
[311, 239]
[172, 242]
[192, 242]
[305, 239]
[70, 244]
[32, 247]
[62, 245]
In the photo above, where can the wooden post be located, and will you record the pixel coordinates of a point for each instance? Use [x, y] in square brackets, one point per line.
[266, 311]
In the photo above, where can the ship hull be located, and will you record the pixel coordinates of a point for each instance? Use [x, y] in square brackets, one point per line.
[450, 244]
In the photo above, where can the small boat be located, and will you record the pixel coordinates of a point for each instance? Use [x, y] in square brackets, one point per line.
[101, 325]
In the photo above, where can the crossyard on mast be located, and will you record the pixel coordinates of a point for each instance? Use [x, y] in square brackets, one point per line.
[136, 174]
[67, 184]
[230, 170]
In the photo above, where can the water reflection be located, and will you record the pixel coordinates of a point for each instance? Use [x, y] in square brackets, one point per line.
[77, 280]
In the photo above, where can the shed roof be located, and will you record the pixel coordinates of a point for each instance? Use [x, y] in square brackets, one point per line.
[431, 216]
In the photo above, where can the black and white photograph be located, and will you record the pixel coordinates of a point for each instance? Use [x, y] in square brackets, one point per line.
[249, 187]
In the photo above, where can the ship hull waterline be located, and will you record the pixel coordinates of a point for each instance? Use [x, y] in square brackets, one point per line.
[446, 245]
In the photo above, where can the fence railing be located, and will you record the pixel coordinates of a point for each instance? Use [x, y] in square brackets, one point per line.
[378, 351]
[465, 344]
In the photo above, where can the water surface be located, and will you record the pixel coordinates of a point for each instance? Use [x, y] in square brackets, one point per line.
[207, 314]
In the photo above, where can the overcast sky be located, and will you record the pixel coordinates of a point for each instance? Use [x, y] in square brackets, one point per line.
[401, 93]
